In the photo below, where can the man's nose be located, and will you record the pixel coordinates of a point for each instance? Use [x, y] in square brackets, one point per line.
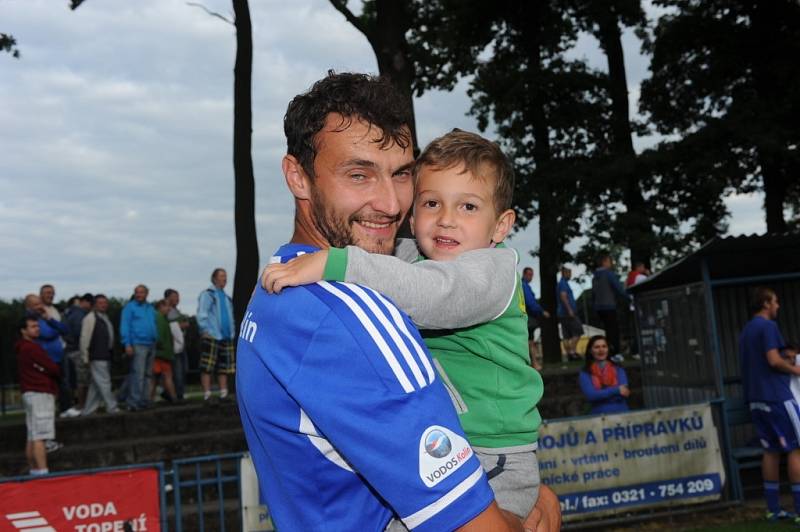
[385, 199]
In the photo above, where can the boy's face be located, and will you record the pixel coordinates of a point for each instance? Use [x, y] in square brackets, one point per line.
[790, 354]
[454, 212]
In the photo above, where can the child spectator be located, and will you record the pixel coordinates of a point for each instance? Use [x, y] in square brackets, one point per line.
[471, 294]
[790, 352]
[162, 366]
[602, 381]
[38, 382]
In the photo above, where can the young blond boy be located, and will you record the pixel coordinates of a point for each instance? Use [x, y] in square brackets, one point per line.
[467, 297]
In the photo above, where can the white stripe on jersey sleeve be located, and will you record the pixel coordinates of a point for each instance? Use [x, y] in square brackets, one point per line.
[374, 334]
[391, 329]
[322, 444]
[401, 324]
[417, 518]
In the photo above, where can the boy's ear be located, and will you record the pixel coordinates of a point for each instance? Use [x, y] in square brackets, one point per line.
[296, 179]
[503, 226]
[411, 223]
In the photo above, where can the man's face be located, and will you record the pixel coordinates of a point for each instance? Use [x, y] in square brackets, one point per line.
[101, 305]
[31, 330]
[47, 294]
[174, 299]
[34, 304]
[221, 279]
[360, 192]
[772, 307]
[566, 274]
[140, 294]
[85, 305]
[527, 274]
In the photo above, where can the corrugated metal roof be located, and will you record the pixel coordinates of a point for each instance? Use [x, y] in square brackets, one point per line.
[732, 257]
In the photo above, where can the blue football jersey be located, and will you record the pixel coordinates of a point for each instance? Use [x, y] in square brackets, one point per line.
[347, 422]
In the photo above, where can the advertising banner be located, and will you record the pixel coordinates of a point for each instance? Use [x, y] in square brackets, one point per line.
[255, 517]
[602, 464]
[99, 502]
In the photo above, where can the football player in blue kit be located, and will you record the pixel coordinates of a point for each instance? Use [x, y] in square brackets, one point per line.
[348, 425]
[773, 409]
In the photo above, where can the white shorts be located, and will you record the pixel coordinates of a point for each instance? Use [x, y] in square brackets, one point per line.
[40, 415]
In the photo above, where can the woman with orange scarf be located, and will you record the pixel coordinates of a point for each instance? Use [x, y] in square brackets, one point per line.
[603, 382]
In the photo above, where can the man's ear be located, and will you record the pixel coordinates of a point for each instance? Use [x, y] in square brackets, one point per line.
[296, 179]
[503, 226]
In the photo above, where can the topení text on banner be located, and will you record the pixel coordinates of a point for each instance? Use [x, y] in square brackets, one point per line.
[106, 501]
[598, 465]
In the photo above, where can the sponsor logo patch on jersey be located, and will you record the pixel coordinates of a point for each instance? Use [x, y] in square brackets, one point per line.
[441, 453]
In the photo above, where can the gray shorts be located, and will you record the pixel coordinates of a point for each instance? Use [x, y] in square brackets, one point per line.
[40, 415]
[571, 327]
[514, 478]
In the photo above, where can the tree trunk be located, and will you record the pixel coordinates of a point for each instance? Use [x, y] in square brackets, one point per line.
[766, 16]
[388, 41]
[244, 204]
[550, 245]
[637, 226]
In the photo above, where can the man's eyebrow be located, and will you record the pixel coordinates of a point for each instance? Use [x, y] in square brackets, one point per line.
[358, 162]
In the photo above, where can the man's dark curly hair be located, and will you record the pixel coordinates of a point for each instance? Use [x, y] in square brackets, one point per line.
[354, 96]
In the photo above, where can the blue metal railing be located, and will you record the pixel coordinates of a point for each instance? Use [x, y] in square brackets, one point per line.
[198, 482]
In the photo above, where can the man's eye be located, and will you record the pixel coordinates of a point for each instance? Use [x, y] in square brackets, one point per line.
[403, 174]
[358, 177]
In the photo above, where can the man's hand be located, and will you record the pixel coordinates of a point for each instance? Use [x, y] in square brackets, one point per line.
[624, 391]
[129, 350]
[546, 314]
[546, 515]
[305, 269]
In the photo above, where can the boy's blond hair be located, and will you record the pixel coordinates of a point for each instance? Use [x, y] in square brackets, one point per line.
[481, 157]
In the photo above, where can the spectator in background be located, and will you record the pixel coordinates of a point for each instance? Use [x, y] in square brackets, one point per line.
[137, 330]
[606, 288]
[162, 366]
[567, 312]
[535, 312]
[50, 332]
[177, 324]
[38, 382]
[637, 275]
[73, 316]
[96, 346]
[766, 378]
[47, 293]
[602, 381]
[215, 321]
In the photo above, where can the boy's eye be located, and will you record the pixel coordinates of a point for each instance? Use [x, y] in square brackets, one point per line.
[430, 203]
[470, 207]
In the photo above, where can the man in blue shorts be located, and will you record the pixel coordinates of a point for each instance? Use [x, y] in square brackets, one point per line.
[348, 425]
[775, 413]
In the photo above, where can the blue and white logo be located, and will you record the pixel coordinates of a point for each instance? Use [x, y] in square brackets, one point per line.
[437, 444]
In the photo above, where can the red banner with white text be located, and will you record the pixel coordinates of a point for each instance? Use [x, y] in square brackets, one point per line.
[99, 502]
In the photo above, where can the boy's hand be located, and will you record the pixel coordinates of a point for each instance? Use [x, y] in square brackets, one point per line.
[305, 269]
[624, 391]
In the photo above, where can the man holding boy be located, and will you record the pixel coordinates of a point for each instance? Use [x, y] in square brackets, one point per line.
[333, 376]
[38, 382]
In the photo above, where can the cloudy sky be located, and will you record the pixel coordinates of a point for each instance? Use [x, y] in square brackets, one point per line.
[115, 160]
